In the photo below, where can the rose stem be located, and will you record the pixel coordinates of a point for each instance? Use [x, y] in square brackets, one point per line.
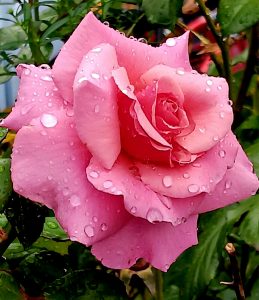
[159, 284]
[237, 281]
[252, 62]
[222, 44]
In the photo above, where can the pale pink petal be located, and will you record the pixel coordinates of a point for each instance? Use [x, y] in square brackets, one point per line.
[238, 183]
[48, 166]
[192, 179]
[160, 244]
[139, 199]
[95, 105]
[136, 57]
[37, 94]
[205, 102]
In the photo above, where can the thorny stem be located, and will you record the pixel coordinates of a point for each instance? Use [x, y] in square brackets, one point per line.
[222, 44]
[159, 284]
[237, 281]
[252, 62]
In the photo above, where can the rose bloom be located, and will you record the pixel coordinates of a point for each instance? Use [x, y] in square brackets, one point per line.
[127, 144]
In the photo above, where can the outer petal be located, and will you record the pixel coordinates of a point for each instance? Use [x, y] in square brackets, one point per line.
[192, 179]
[160, 244]
[48, 166]
[130, 53]
[95, 106]
[206, 103]
[37, 94]
[139, 200]
[239, 183]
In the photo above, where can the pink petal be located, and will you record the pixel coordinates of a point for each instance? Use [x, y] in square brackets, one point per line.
[139, 200]
[238, 183]
[95, 105]
[130, 53]
[160, 244]
[192, 179]
[48, 166]
[206, 103]
[37, 94]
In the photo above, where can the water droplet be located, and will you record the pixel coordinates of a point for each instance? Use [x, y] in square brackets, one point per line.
[230, 102]
[96, 108]
[133, 209]
[186, 175]
[167, 181]
[48, 120]
[70, 112]
[207, 89]
[219, 87]
[107, 184]
[95, 219]
[228, 184]
[180, 71]
[27, 72]
[104, 227]
[52, 225]
[154, 215]
[50, 177]
[46, 78]
[47, 94]
[95, 75]
[89, 231]
[74, 200]
[106, 23]
[222, 114]
[142, 40]
[202, 129]
[97, 50]
[209, 82]
[167, 267]
[94, 174]
[193, 188]
[196, 165]
[170, 42]
[222, 153]
[80, 80]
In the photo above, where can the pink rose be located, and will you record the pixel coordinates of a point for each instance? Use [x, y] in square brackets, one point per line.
[127, 145]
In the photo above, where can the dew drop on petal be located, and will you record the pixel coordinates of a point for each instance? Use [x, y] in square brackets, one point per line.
[207, 89]
[230, 102]
[170, 42]
[215, 138]
[89, 231]
[202, 129]
[219, 87]
[80, 80]
[228, 184]
[106, 23]
[193, 188]
[104, 226]
[186, 175]
[209, 82]
[74, 200]
[94, 174]
[107, 184]
[222, 153]
[95, 219]
[27, 72]
[133, 210]
[196, 165]
[180, 71]
[222, 114]
[48, 120]
[167, 181]
[95, 75]
[97, 50]
[154, 215]
[46, 78]
[96, 108]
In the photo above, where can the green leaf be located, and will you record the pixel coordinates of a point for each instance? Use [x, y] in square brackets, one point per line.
[26, 217]
[9, 288]
[12, 37]
[249, 228]
[3, 133]
[164, 12]
[4, 74]
[5, 181]
[236, 16]
[253, 154]
[53, 230]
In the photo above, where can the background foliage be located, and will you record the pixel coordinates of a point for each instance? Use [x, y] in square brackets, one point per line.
[38, 261]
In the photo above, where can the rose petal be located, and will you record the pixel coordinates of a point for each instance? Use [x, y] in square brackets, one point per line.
[48, 166]
[192, 179]
[141, 239]
[37, 94]
[206, 100]
[238, 183]
[139, 199]
[130, 53]
[95, 105]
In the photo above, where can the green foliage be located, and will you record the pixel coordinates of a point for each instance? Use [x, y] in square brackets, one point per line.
[235, 16]
[164, 12]
[5, 181]
[9, 289]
